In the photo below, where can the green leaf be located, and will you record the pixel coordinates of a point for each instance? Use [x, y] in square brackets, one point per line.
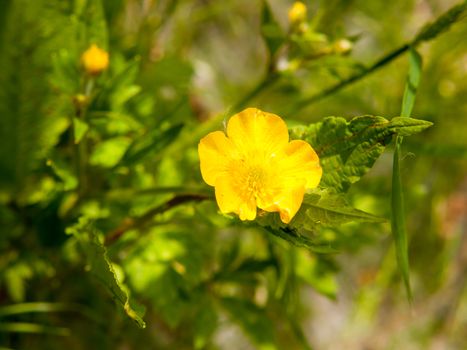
[271, 30]
[25, 327]
[442, 23]
[21, 308]
[45, 307]
[329, 209]
[101, 267]
[94, 26]
[319, 209]
[124, 75]
[398, 225]
[80, 127]
[205, 325]
[28, 126]
[124, 94]
[253, 320]
[108, 153]
[16, 277]
[408, 126]
[152, 144]
[64, 173]
[348, 150]
[413, 79]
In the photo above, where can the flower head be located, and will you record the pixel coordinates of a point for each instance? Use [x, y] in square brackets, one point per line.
[297, 13]
[95, 60]
[255, 165]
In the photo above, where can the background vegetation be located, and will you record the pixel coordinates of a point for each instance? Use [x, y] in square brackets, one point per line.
[109, 237]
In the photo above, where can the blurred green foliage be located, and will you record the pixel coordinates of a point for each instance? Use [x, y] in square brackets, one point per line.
[109, 237]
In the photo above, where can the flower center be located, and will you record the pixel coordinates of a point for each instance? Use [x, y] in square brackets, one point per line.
[250, 179]
[254, 180]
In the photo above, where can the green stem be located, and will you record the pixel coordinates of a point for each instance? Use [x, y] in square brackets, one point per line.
[142, 221]
[82, 168]
[82, 151]
[125, 194]
[427, 33]
[383, 61]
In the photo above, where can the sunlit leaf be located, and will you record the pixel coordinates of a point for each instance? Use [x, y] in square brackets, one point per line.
[80, 127]
[398, 225]
[64, 173]
[319, 209]
[411, 86]
[101, 267]
[28, 127]
[348, 150]
[108, 153]
[151, 144]
[322, 208]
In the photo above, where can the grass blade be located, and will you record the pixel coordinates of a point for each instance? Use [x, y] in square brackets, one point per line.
[398, 220]
[24, 327]
[413, 79]
[398, 225]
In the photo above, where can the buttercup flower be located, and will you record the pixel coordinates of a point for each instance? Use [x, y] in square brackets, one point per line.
[255, 165]
[297, 12]
[95, 60]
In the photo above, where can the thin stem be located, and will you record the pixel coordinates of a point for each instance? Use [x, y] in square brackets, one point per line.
[427, 33]
[82, 165]
[132, 223]
[126, 193]
[82, 151]
[383, 61]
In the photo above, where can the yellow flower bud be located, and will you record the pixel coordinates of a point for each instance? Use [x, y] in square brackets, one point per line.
[95, 60]
[80, 100]
[297, 13]
[342, 46]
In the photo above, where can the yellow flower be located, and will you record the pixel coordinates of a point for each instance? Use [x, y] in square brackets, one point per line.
[297, 12]
[95, 60]
[255, 165]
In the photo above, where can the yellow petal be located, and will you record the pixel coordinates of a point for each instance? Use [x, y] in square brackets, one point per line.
[257, 133]
[230, 200]
[215, 150]
[301, 162]
[295, 169]
[287, 200]
[291, 203]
